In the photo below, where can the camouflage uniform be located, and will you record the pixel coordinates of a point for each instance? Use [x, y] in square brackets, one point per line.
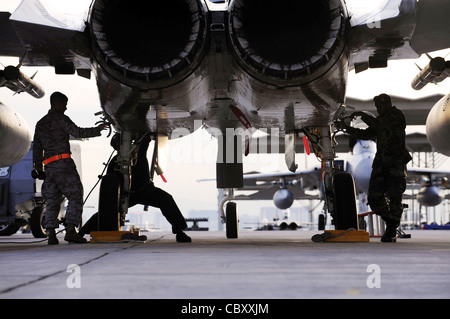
[51, 138]
[388, 178]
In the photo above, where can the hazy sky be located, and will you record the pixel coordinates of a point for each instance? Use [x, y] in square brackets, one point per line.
[84, 102]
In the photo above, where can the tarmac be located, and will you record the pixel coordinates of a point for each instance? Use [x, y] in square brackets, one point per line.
[259, 265]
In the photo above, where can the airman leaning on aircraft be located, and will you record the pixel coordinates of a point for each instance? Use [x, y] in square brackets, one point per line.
[51, 148]
[388, 178]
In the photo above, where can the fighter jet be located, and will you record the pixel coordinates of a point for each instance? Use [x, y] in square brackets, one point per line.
[236, 66]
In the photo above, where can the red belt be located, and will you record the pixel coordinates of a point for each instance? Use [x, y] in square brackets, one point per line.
[56, 158]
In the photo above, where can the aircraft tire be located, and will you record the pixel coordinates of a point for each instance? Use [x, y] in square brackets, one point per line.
[109, 203]
[9, 229]
[36, 222]
[321, 222]
[232, 220]
[346, 215]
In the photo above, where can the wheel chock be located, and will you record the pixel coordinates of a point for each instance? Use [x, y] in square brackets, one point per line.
[342, 236]
[376, 228]
[112, 236]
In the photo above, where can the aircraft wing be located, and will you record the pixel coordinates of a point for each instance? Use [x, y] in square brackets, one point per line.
[435, 173]
[309, 176]
[415, 142]
[415, 110]
[430, 184]
[52, 32]
[395, 29]
[11, 45]
[266, 184]
[43, 33]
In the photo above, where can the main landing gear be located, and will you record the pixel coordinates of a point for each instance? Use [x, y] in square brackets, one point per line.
[109, 216]
[230, 215]
[230, 175]
[115, 188]
[338, 186]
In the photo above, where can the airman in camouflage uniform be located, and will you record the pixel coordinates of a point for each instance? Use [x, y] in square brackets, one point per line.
[388, 178]
[51, 148]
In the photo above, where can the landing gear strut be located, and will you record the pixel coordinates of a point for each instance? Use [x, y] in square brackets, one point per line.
[229, 173]
[115, 188]
[340, 197]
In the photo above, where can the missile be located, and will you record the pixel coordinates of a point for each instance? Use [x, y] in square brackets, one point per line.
[283, 198]
[434, 72]
[438, 126]
[15, 136]
[12, 78]
[430, 196]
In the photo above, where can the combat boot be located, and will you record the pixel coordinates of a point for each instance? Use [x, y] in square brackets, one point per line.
[390, 234]
[72, 236]
[181, 237]
[51, 234]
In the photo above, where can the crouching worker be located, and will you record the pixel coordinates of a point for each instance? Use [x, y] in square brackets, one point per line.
[144, 192]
